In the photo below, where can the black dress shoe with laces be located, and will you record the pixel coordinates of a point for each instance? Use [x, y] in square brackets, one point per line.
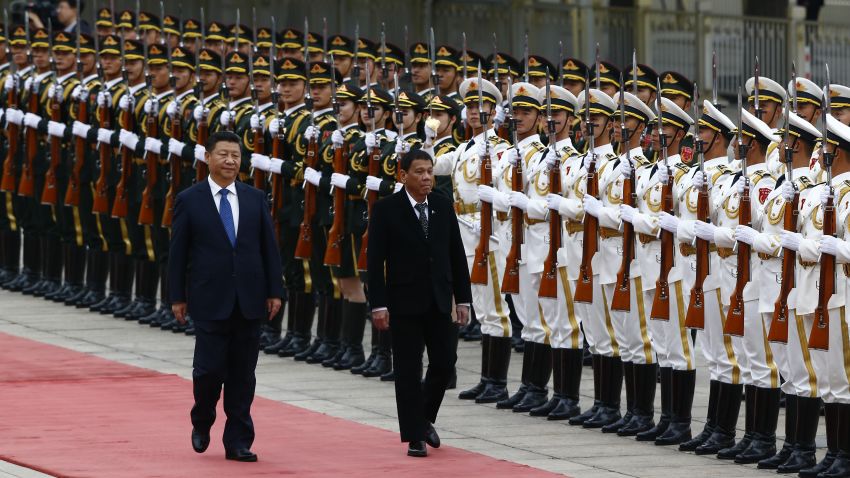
[240, 454]
[417, 449]
[200, 441]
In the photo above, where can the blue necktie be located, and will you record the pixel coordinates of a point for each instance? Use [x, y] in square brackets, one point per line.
[227, 217]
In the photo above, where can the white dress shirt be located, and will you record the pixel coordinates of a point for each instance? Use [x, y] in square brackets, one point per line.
[413, 204]
[231, 197]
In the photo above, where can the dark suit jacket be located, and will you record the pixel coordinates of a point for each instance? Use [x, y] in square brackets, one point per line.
[407, 272]
[210, 274]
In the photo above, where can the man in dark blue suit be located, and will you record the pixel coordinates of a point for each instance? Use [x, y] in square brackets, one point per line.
[224, 263]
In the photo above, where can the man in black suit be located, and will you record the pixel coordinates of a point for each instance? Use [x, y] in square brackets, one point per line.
[225, 263]
[417, 265]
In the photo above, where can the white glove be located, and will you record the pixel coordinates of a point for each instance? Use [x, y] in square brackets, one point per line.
[745, 234]
[275, 126]
[260, 161]
[550, 158]
[741, 182]
[397, 187]
[790, 240]
[338, 138]
[11, 83]
[153, 145]
[371, 140]
[627, 213]
[401, 146]
[80, 130]
[55, 129]
[668, 222]
[14, 116]
[476, 227]
[128, 139]
[199, 113]
[312, 133]
[482, 149]
[56, 93]
[553, 201]
[518, 200]
[104, 99]
[225, 118]
[175, 147]
[499, 118]
[200, 153]
[700, 179]
[431, 126]
[788, 191]
[829, 245]
[104, 135]
[276, 165]
[373, 183]
[151, 107]
[625, 169]
[486, 193]
[510, 156]
[704, 230]
[171, 110]
[255, 121]
[28, 83]
[662, 174]
[339, 180]
[592, 205]
[824, 192]
[126, 102]
[312, 176]
[31, 120]
[80, 93]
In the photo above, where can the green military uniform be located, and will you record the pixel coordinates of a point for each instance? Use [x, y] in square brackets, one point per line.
[443, 183]
[10, 232]
[210, 61]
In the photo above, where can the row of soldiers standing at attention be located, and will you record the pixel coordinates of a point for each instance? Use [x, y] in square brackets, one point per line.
[596, 206]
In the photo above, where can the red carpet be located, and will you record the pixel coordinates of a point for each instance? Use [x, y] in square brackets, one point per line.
[71, 414]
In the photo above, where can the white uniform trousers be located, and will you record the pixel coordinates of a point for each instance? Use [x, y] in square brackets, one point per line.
[561, 314]
[597, 324]
[490, 308]
[719, 349]
[534, 328]
[631, 329]
[801, 362]
[678, 349]
[761, 367]
[835, 383]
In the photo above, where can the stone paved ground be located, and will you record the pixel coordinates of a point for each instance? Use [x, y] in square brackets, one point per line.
[552, 446]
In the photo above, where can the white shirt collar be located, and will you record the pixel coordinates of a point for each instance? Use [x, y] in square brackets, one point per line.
[90, 78]
[41, 76]
[64, 77]
[413, 202]
[210, 99]
[215, 188]
[113, 82]
[523, 143]
[293, 109]
[24, 71]
[235, 103]
[133, 89]
[163, 94]
[322, 111]
[184, 94]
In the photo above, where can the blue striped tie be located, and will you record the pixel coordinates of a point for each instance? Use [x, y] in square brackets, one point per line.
[227, 217]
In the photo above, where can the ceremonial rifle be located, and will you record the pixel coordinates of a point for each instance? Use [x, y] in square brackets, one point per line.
[819, 336]
[120, 204]
[324, 38]
[622, 291]
[384, 70]
[480, 270]
[176, 132]
[779, 325]
[714, 80]
[560, 63]
[72, 192]
[50, 194]
[304, 247]
[278, 139]
[26, 186]
[104, 151]
[525, 58]
[371, 196]
[510, 279]
[146, 211]
[735, 316]
[259, 142]
[13, 131]
[399, 121]
[590, 233]
[467, 130]
[435, 79]
[502, 131]
[661, 302]
[333, 251]
[549, 279]
[201, 168]
[355, 67]
[696, 309]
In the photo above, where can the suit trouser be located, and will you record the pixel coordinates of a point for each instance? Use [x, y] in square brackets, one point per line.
[834, 381]
[562, 314]
[226, 355]
[631, 327]
[803, 372]
[418, 403]
[597, 323]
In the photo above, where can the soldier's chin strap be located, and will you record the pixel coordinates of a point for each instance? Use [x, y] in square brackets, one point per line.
[710, 143]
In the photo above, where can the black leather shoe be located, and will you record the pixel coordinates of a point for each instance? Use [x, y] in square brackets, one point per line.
[514, 399]
[473, 392]
[638, 424]
[800, 459]
[417, 449]
[276, 347]
[731, 452]
[566, 409]
[381, 365]
[586, 415]
[675, 434]
[779, 458]
[821, 467]
[240, 454]
[365, 365]
[200, 441]
[604, 416]
[616, 426]
[546, 408]
[840, 467]
[493, 392]
[760, 448]
[305, 354]
[389, 376]
[698, 440]
[431, 437]
[716, 442]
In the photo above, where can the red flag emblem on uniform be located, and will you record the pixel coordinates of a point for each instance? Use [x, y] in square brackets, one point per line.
[763, 193]
[687, 155]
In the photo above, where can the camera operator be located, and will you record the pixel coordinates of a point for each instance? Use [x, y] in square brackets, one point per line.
[67, 14]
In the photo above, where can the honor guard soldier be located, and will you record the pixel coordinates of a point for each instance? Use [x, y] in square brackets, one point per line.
[216, 37]
[171, 29]
[393, 58]
[771, 98]
[205, 118]
[290, 44]
[447, 65]
[420, 69]
[608, 76]
[314, 47]
[150, 28]
[679, 89]
[538, 68]
[192, 35]
[443, 116]
[239, 38]
[237, 114]
[367, 53]
[642, 81]
[126, 25]
[342, 49]
[10, 233]
[265, 38]
[573, 74]
[104, 24]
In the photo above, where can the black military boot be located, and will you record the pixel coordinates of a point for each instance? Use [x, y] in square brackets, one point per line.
[159, 316]
[596, 363]
[840, 467]
[340, 353]
[666, 376]
[321, 319]
[476, 390]
[355, 324]
[611, 376]
[291, 308]
[710, 419]
[11, 256]
[65, 253]
[570, 371]
[52, 266]
[537, 392]
[75, 273]
[629, 382]
[728, 408]
[332, 331]
[557, 386]
[304, 311]
[38, 257]
[644, 407]
[133, 303]
[498, 362]
[121, 296]
[749, 426]
[112, 287]
[383, 362]
[831, 417]
[763, 442]
[145, 290]
[525, 380]
[803, 454]
[373, 354]
[784, 453]
[97, 271]
[682, 384]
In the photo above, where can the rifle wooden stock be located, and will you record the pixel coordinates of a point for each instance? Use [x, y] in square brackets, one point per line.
[779, 325]
[201, 168]
[590, 242]
[13, 133]
[50, 194]
[72, 194]
[146, 210]
[26, 187]
[503, 131]
[510, 279]
[175, 176]
[696, 309]
[333, 251]
[661, 302]
[819, 336]
[260, 148]
[304, 247]
[479, 272]
[101, 187]
[277, 187]
[371, 197]
[623, 290]
[120, 205]
[549, 279]
[735, 316]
